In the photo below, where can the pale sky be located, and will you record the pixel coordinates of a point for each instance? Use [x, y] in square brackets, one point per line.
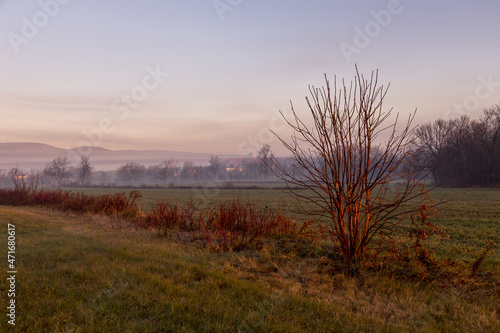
[210, 76]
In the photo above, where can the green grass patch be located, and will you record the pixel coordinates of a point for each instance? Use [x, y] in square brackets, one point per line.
[96, 274]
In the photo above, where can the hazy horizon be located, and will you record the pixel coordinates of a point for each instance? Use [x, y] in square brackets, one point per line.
[30, 155]
[211, 76]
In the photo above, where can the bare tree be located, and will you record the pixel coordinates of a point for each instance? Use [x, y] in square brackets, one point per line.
[216, 167]
[265, 159]
[167, 170]
[84, 169]
[251, 168]
[433, 137]
[28, 182]
[131, 172]
[189, 171]
[347, 173]
[488, 135]
[464, 152]
[58, 169]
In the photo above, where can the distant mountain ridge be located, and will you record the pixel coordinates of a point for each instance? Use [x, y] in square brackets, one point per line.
[37, 155]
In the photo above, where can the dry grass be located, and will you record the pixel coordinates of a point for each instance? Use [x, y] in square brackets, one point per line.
[97, 274]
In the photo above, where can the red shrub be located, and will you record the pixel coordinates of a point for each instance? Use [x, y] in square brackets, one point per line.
[13, 197]
[119, 204]
[168, 216]
[237, 225]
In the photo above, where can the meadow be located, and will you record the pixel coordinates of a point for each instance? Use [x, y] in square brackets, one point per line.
[91, 273]
[471, 216]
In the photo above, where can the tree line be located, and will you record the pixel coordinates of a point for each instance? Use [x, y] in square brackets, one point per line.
[218, 170]
[60, 172]
[462, 152]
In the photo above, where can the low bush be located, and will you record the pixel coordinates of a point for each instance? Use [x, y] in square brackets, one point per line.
[237, 225]
[13, 197]
[118, 205]
[233, 226]
[168, 216]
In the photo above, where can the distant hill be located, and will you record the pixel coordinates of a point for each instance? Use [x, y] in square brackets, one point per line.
[37, 155]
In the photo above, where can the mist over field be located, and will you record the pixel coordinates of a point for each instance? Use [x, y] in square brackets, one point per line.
[36, 155]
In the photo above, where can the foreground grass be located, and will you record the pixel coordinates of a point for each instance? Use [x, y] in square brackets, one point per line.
[92, 274]
[470, 216]
[472, 219]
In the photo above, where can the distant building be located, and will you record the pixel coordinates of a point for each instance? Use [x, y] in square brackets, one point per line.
[21, 176]
[234, 169]
[235, 165]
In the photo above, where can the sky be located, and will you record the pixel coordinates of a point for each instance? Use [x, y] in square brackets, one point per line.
[211, 76]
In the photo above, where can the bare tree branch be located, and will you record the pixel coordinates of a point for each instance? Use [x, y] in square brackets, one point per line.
[350, 177]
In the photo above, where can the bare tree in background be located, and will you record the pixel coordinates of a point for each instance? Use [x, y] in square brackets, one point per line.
[464, 151]
[488, 135]
[265, 159]
[168, 170]
[347, 174]
[84, 169]
[216, 167]
[58, 169]
[188, 171]
[131, 172]
[28, 182]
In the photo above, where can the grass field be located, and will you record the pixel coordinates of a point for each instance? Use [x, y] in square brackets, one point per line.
[470, 216]
[94, 274]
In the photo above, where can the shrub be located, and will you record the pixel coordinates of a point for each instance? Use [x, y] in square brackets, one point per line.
[118, 205]
[15, 197]
[234, 225]
[337, 156]
[238, 225]
[168, 216]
